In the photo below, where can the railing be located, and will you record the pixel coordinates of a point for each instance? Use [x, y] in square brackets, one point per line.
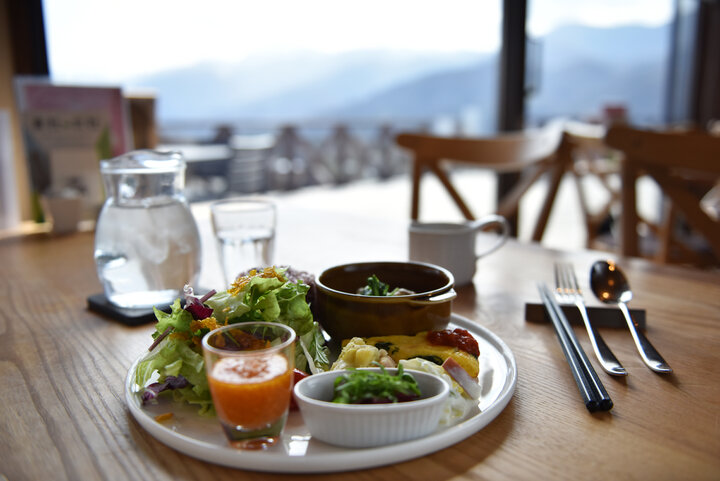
[252, 159]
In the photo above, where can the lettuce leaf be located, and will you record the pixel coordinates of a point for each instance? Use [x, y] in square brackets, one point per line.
[254, 303]
[268, 299]
[174, 357]
[171, 382]
[314, 342]
[272, 300]
[178, 318]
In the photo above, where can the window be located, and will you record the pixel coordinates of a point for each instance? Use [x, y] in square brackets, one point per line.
[592, 60]
[330, 80]
[263, 64]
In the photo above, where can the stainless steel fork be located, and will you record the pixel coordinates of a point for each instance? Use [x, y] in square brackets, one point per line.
[568, 291]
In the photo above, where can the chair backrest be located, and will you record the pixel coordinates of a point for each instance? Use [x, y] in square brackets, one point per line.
[530, 152]
[504, 152]
[684, 164]
[691, 150]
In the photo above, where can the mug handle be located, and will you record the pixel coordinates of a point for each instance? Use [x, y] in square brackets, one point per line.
[478, 225]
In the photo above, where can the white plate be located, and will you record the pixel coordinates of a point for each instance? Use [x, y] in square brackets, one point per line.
[297, 452]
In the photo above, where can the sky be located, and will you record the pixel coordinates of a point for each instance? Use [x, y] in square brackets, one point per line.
[114, 41]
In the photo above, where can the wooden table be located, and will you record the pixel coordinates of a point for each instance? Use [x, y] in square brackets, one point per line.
[62, 367]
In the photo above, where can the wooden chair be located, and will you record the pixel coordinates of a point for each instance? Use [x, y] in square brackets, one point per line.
[529, 153]
[685, 166]
[595, 171]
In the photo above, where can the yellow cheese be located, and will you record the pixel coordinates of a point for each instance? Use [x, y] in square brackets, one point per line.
[408, 347]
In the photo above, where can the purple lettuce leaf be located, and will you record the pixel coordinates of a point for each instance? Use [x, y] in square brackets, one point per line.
[171, 382]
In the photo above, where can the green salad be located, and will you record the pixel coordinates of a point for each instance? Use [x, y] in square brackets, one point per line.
[361, 386]
[175, 362]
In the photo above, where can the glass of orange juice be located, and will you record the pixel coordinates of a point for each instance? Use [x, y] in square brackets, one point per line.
[250, 372]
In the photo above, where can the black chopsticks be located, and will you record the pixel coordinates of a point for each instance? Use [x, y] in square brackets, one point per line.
[592, 390]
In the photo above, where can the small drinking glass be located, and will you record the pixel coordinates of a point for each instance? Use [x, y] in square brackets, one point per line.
[250, 372]
[244, 233]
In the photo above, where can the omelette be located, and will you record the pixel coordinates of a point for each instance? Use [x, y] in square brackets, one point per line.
[408, 347]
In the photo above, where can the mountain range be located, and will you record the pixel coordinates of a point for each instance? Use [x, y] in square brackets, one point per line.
[582, 69]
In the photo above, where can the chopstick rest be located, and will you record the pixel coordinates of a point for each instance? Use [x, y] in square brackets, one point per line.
[591, 388]
[601, 316]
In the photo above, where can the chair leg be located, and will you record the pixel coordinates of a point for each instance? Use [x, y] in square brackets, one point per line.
[664, 234]
[686, 203]
[629, 217]
[510, 203]
[584, 209]
[418, 168]
[435, 167]
[556, 175]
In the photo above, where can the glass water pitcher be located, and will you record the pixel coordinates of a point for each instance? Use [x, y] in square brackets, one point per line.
[147, 245]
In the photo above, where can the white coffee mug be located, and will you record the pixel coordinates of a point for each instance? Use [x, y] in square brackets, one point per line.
[454, 245]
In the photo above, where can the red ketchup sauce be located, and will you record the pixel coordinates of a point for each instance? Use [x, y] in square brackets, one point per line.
[459, 338]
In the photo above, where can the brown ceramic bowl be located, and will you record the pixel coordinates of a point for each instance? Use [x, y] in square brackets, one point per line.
[345, 314]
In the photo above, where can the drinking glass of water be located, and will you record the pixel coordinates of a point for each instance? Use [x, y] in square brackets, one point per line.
[245, 234]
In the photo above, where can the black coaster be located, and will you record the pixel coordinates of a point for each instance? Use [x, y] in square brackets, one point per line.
[131, 317]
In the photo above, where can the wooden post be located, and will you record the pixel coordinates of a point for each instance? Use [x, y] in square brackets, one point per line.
[511, 104]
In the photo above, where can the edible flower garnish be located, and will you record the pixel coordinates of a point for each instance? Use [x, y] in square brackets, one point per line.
[242, 281]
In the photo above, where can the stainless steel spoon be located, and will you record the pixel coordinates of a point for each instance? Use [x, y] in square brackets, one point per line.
[610, 285]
